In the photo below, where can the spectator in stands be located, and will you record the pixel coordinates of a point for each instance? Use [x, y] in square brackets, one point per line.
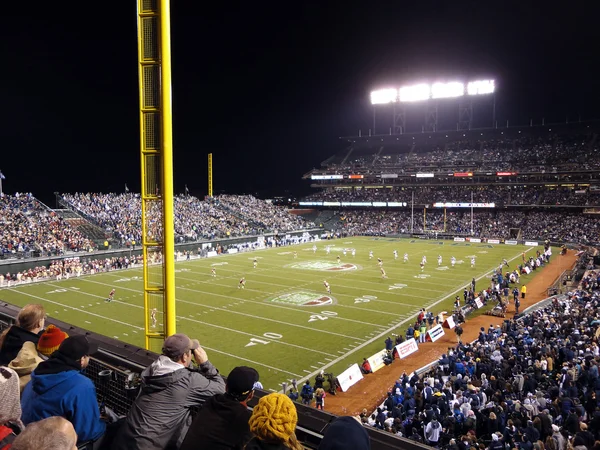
[345, 433]
[28, 327]
[50, 340]
[10, 406]
[54, 433]
[58, 388]
[273, 423]
[25, 363]
[161, 415]
[222, 423]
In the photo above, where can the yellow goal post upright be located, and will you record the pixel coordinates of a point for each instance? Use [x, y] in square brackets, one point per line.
[210, 179]
[156, 151]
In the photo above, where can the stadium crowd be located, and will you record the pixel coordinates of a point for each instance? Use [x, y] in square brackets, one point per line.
[27, 226]
[73, 267]
[195, 219]
[556, 226]
[531, 384]
[501, 195]
[184, 403]
[275, 218]
[524, 153]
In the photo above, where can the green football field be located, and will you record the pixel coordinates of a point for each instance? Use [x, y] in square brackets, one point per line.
[283, 323]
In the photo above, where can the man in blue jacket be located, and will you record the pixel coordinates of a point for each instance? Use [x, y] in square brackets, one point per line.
[58, 388]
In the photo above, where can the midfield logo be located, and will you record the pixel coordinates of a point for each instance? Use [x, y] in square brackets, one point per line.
[304, 298]
[323, 265]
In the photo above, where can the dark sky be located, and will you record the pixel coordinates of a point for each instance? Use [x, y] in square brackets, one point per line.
[267, 88]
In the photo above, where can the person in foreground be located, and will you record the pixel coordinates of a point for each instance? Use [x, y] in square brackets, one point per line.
[28, 328]
[222, 423]
[58, 388]
[345, 433]
[161, 415]
[273, 423]
[55, 433]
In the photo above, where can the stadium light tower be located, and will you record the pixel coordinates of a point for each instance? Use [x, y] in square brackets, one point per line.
[429, 94]
[156, 149]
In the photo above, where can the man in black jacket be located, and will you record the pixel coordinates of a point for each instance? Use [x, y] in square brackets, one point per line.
[222, 423]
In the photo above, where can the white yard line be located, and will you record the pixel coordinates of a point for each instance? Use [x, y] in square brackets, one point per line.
[393, 327]
[76, 309]
[229, 311]
[262, 303]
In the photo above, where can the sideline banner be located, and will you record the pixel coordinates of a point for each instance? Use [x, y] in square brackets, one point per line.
[435, 333]
[476, 240]
[232, 250]
[457, 239]
[531, 243]
[510, 242]
[449, 323]
[478, 302]
[493, 241]
[406, 348]
[349, 377]
[211, 254]
[376, 360]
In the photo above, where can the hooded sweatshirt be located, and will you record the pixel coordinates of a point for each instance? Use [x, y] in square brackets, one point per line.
[221, 424]
[25, 363]
[433, 431]
[58, 388]
[13, 341]
[345, 433]
[161, 415]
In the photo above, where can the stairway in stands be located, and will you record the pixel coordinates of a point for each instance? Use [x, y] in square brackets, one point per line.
[89, 230]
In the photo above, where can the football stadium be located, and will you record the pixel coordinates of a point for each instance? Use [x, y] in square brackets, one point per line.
[438, 288]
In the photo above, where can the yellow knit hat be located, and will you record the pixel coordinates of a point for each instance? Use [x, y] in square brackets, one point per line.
[274, 418]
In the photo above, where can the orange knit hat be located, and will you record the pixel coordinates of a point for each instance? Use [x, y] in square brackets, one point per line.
[50, 340]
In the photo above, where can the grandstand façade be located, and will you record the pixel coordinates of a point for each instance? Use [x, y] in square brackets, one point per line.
[517, 174]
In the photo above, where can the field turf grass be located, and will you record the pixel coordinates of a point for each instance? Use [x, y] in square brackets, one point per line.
[283, 323]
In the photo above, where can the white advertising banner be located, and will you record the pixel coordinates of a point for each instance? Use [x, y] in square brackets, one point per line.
[406, 348]
[435, 333]
[531, 243]
[232, 250]
[510, 242]
[376, 361]
[449, 323]
[211, 254]
[493, 241]
[349, 377]
[475, 240]
[478, 302]
[457, 239]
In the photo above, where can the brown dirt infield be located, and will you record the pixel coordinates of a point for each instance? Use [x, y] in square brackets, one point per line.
[371, 390]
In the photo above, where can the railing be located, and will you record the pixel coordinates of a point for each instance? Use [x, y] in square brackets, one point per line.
[115, 372]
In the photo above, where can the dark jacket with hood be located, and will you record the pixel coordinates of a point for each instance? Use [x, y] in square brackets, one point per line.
[13, 341]
[161, 415]
[221, 424]
[345, 433]
[58, 388]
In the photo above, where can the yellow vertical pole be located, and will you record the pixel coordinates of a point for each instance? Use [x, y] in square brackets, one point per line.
[210, 176]
[167, 168]
[156, 150]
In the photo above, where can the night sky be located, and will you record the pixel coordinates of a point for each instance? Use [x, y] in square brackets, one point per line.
[267, 88]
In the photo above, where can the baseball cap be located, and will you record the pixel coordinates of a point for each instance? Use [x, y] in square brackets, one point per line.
[74, 347]
[179, 344]
[241, 379]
